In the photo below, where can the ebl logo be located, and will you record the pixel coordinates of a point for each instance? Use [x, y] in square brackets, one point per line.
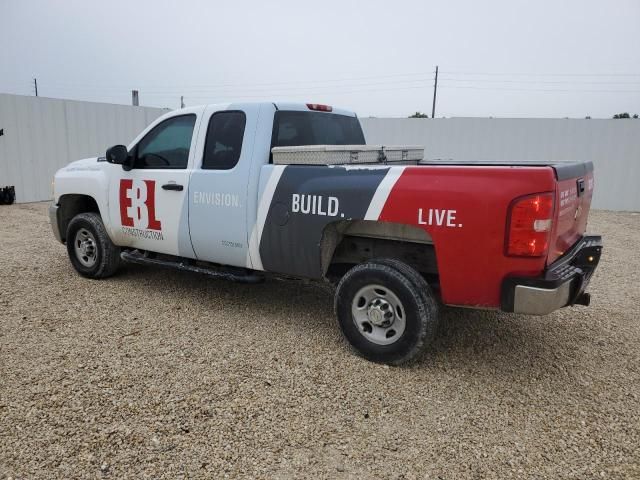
[138, 204]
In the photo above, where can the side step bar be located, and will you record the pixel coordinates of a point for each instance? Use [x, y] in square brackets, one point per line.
[227, 273]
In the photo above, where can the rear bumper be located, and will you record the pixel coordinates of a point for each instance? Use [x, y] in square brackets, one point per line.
[563, 283]
[53, 220]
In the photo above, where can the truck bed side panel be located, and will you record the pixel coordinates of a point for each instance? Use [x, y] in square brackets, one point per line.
[464, 210]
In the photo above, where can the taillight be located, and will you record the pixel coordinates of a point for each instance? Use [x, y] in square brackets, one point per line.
[319, 107]
[530, 219]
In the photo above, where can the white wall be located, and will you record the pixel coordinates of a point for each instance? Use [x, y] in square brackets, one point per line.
[43, 134]
[612, 145]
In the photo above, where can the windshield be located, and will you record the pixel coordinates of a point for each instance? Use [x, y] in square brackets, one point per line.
[294, 128]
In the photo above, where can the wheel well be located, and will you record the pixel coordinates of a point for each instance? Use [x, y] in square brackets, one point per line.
[345, 244]
[70, 206]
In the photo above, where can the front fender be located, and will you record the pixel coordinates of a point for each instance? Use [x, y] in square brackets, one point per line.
[87, 177]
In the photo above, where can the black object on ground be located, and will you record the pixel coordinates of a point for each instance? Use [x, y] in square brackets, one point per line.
[7, 195]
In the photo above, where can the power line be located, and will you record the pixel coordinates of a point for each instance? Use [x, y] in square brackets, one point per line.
[351, 90]
[372, 83]
[220, 96]
[551, 90]
[538, 74]
[239, 85]
[419, 76]
[408, 84]
[541, 82]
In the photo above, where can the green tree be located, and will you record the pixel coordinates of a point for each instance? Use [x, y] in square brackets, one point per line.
[419, 115]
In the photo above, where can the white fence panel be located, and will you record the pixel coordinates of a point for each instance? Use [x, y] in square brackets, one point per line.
[43, 134]
[612, 145]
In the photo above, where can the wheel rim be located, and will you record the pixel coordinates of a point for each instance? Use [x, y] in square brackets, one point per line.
[378, 314]
[85, 247]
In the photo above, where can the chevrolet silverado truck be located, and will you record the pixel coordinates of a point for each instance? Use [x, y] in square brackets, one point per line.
[201, 190]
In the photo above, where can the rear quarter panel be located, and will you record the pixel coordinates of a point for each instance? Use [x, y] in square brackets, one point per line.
[470, 248]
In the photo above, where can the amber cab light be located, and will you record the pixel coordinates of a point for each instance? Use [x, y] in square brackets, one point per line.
[318, 107]
[530, 221]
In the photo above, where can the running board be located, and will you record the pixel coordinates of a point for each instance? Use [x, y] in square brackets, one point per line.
[227, 273]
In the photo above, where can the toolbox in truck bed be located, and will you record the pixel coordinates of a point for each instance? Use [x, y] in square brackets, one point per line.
[347, 154]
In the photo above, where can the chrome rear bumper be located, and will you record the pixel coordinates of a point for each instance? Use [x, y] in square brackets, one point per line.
[563, 283]
[540, 301]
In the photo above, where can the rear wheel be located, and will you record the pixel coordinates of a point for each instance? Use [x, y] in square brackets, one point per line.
[91, 251]
[386, 311]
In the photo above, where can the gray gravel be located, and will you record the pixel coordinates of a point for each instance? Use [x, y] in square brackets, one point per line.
[157, 373]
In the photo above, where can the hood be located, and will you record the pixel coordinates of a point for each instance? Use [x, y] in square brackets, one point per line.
[85, 162]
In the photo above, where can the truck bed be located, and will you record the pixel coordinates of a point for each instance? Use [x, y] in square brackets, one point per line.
[406, 155]
[565, 170]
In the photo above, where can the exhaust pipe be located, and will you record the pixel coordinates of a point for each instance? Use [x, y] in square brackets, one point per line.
[583, 299]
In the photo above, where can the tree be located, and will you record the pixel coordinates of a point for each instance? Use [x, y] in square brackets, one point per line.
[419, 115]
[622, 115]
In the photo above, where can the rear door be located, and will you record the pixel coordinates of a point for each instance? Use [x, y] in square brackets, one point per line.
[218, 189]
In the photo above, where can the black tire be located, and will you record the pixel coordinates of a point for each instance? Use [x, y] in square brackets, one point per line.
[418, 303]
[105, 255]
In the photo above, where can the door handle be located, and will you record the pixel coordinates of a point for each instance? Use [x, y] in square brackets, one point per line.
[172, 186]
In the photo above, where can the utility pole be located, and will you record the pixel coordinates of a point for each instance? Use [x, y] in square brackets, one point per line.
[35, 84]
[435, 91]
[134, 98]
[181, 101]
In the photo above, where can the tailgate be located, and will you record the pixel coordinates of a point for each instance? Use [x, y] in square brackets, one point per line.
[573, 201]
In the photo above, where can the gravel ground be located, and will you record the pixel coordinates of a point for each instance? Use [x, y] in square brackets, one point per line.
[158, 373]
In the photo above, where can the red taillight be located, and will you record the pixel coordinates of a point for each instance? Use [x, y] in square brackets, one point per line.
[530, 220]
[319, 107]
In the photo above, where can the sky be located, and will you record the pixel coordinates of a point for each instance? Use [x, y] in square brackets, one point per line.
[500, 58]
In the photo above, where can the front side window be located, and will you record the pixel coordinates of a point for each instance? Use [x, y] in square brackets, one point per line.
[224, 140]
[167, 144]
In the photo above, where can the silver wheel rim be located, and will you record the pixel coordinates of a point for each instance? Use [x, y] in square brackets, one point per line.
[378, 314]
[85, 247]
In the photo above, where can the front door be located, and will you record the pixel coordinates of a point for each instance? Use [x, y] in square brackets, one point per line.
[147, 203]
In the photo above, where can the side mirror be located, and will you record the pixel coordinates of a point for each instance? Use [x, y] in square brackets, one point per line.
[117, 155]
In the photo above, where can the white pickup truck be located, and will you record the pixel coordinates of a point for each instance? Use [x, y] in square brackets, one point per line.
[242, 191]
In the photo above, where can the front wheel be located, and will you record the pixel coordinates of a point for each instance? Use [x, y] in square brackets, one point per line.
[386, 311]
[91, 251]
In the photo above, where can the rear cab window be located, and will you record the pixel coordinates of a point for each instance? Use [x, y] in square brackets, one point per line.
[296, 128]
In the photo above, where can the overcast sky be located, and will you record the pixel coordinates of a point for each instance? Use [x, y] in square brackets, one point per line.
[502, 58]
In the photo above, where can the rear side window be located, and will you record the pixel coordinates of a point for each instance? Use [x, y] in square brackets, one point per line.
[293, 128]
[224, 140]
[167, 144]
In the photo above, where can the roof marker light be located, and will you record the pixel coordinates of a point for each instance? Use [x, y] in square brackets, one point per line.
[319, 107]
